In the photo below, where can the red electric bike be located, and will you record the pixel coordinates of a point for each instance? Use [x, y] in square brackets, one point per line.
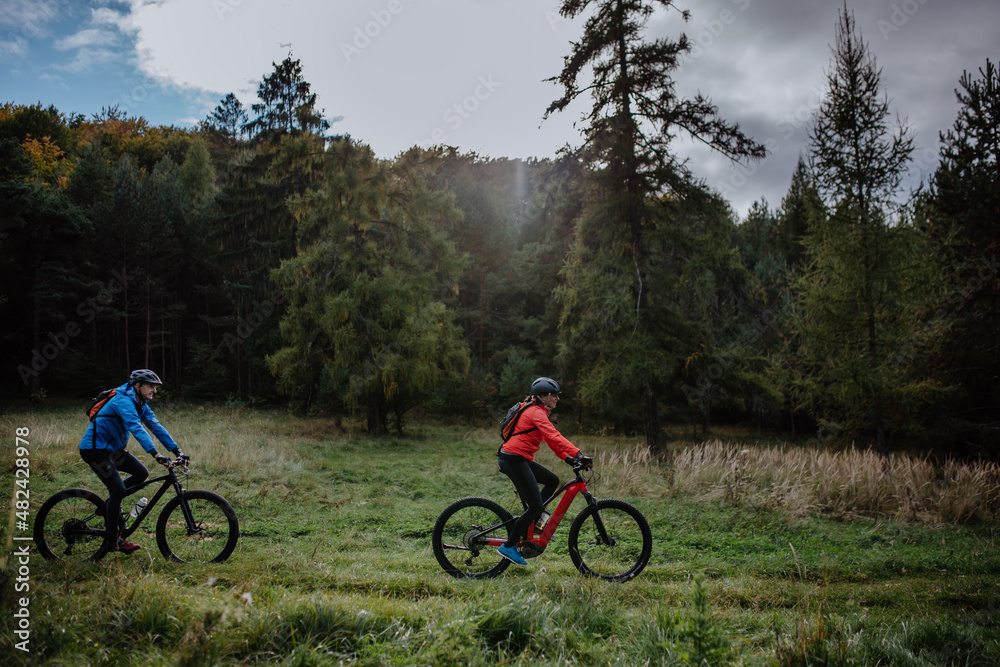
[609, 539]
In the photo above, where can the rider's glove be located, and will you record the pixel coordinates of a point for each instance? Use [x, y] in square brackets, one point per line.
[581, 460]
[161, 459]
[181, 455]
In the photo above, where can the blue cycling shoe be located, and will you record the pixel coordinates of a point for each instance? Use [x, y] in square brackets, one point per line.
[513, 554]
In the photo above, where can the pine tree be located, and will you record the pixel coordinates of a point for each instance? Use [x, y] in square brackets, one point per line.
[755, 320]
[516, 227]
[254, 230]
[965, 197]
[40, 231]
[286, 104]
[801, 210]
[800, 206]
[365, 324]
[628, 226]
[227, 121]
[871, 277]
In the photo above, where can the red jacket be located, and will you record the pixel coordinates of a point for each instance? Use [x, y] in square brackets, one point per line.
[526, 444]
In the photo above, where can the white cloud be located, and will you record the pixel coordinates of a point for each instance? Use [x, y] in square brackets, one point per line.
[30, 18]
[16, 46]
[88, 60]
[98, 44]
[393, 68]
[109, 17]
[54, 80]
[86, 38]
[403, 71]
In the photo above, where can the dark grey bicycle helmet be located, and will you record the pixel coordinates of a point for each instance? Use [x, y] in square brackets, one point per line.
[543, 386]
[144, 375]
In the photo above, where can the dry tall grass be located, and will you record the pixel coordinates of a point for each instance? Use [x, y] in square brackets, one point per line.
[843, 483]
[800, 481]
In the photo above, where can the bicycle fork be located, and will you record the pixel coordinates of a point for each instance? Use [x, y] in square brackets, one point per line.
[602, 532]
[192, 527]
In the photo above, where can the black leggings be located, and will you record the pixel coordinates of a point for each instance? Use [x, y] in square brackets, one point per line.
[107, 464]
[526, 476]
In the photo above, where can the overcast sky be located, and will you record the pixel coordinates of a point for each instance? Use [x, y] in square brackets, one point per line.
[470, 73]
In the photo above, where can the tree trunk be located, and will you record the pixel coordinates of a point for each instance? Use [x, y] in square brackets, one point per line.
[36, 325]
[163, 338]
[149, 316]
[375, 426]
[651, 420]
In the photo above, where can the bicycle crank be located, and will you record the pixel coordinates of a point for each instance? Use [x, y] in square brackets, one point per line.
[530, 549]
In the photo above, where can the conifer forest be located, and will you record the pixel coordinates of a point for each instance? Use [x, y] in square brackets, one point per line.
[260, 258]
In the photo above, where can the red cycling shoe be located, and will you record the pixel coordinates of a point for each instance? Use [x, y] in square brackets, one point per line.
[126, 547]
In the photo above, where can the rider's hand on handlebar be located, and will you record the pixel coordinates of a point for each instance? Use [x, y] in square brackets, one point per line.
[581, 460]
[162, 460]
[181, 456]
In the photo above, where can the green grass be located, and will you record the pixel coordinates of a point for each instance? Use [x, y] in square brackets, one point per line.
[334, 565]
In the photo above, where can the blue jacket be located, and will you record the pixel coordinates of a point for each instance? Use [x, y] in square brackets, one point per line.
[122, 415]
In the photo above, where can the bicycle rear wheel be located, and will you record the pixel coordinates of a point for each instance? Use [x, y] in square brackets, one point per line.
[461, 538]
[213, 534]
[70, 526]
[610, 540]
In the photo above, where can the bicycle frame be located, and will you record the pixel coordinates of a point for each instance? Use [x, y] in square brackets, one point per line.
[169, 480]
[608, 539]
[570, 490]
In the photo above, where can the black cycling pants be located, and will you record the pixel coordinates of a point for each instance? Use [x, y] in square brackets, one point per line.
[107, 464]
[526, 476]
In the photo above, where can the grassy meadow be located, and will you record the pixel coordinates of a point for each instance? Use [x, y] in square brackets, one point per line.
[763, 554]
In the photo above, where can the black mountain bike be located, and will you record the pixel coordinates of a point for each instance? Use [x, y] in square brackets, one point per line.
[194, 527]
[609, 539]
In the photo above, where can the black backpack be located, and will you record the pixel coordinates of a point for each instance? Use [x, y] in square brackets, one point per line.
[509, 423]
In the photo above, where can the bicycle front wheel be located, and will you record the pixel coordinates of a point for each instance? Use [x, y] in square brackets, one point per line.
[70, 526]
[207, 535]
[466, 537]
[610, 540]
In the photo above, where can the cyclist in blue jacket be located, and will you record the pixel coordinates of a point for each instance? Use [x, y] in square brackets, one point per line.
[103, 445]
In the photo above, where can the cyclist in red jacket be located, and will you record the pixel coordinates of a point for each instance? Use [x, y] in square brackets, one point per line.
[517, 460]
